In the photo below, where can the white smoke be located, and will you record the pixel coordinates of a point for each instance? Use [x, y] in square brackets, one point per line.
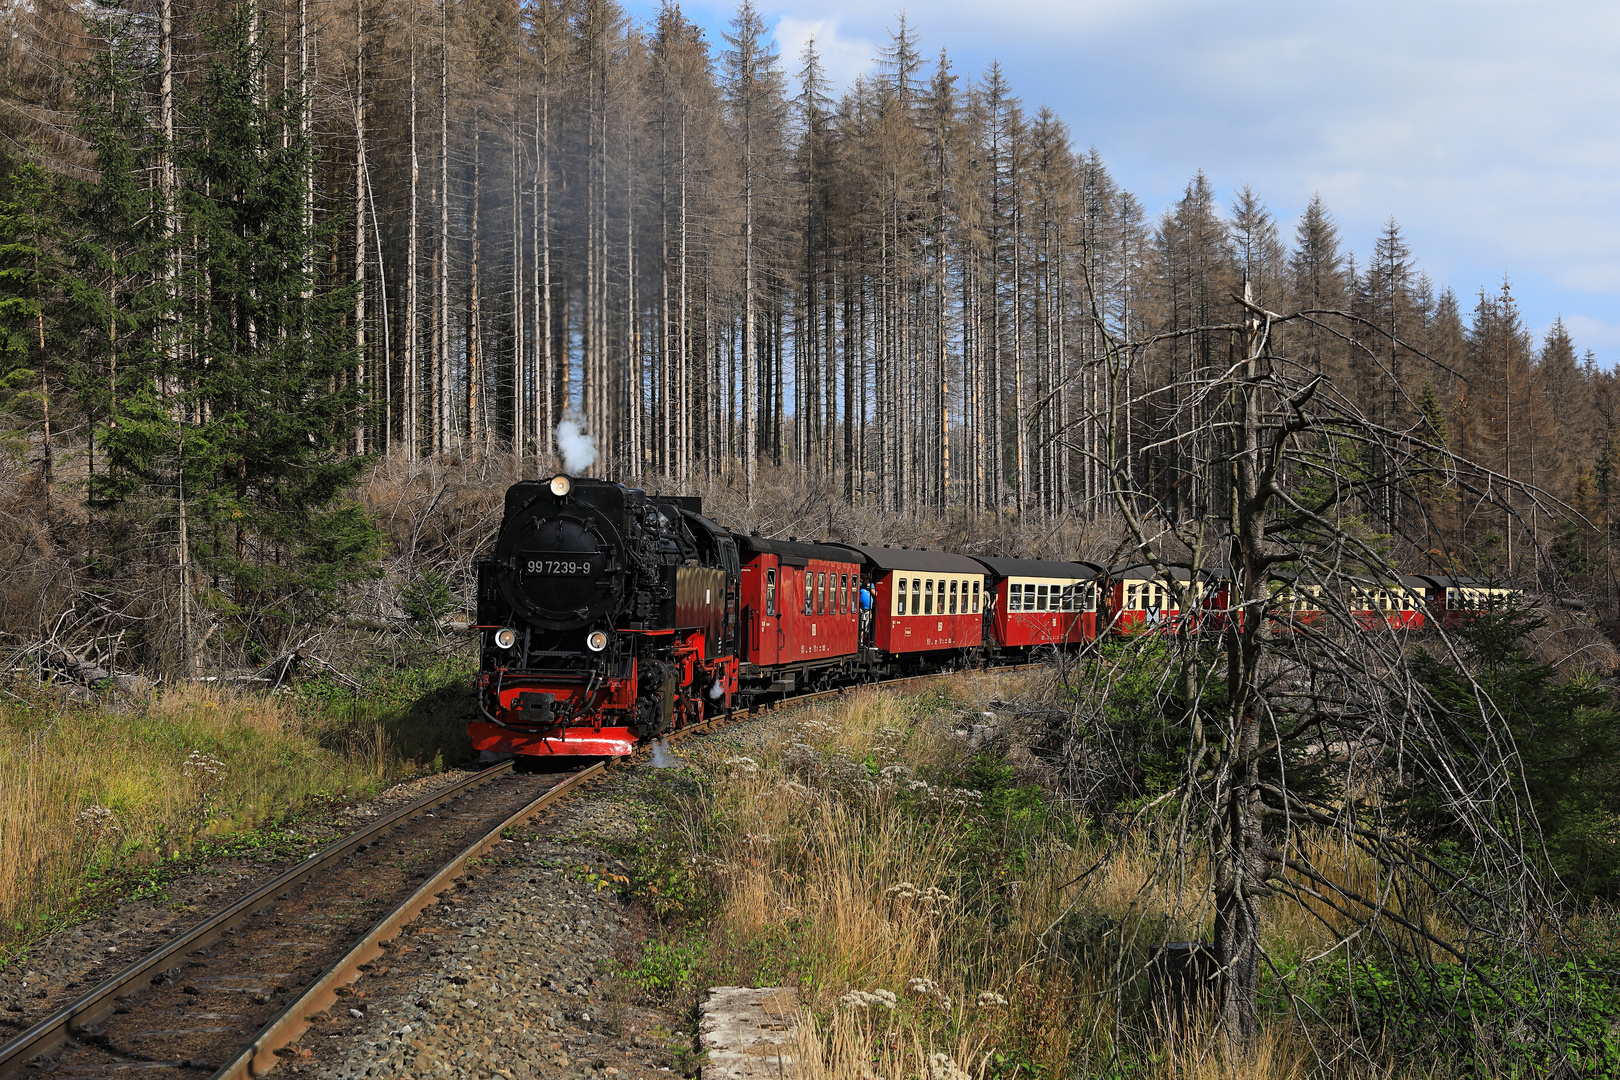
[578, 449]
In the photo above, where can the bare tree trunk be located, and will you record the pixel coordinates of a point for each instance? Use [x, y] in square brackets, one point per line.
[749, 405]
[684, 351]
[519, 371]
[1242, 869]
[360, 218]
[477, 429]
[443, 410]
[412, 386]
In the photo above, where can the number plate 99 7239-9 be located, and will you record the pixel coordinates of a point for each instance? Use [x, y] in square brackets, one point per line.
[548, 567]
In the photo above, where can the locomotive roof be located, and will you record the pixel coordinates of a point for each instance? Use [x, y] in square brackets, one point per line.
[796, 550]
[1047, 568]
[933, 562]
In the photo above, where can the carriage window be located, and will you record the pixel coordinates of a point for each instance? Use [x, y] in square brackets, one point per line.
[1130, 598]
[900, 596]
[928, 597]
[975, 597]
[939, 605]
[821, 593]
[843, 593]
[1040, 597]
[770, 592]
[953, 596]
[809, 592]
[916, 596]
[1015, 598]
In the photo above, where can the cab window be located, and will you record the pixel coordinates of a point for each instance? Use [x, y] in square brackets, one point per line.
[770, 592]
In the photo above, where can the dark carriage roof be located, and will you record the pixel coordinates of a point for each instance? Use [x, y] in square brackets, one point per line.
[1006, 568]
[1145, 572]
[932, 562]
[1465, 582]
[792, 549]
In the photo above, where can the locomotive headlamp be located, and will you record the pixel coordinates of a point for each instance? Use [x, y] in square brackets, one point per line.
[561, 485]
[505, 637]
[596, 640]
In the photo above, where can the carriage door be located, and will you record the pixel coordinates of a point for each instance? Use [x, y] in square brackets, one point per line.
[769, 627]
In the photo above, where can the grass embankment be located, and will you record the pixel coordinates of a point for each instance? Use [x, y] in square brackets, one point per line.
[942, 917]
[98, 799]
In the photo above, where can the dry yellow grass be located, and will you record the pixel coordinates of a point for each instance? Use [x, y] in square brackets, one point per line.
[83, 790]
[840, 840]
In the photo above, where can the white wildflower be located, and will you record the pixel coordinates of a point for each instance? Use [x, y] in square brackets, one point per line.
[990, 1000]
[201, 764]
[860, 999]
[743, 764]
[941, 1067]
[95, 817]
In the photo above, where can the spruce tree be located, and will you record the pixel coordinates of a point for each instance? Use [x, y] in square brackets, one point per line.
[246, 407]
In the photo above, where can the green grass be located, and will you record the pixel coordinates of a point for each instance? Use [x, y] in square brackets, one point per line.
[104, 801]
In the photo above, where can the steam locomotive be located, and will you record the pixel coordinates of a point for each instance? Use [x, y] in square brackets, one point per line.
[608, 616]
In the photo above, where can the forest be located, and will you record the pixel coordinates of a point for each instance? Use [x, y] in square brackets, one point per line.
[252, 252]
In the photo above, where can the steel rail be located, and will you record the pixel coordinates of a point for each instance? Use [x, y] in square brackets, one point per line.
[92, 1008]
[263, 1053]
[268, 1046]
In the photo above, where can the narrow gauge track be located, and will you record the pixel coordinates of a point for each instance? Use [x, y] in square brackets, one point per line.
[181, 1009]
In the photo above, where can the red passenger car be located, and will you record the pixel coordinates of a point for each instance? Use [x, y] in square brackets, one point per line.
[801, 612]
[925, 601]
[1037, 602]
[1399, 607]
[1452, 601]
[1140, 599]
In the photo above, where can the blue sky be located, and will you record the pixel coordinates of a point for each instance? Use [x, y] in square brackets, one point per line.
[1486, 129]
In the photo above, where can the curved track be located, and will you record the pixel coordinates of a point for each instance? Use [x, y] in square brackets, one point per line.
[225, 984]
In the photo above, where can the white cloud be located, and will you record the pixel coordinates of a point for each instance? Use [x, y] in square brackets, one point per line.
[842, 59]
[1589, 333]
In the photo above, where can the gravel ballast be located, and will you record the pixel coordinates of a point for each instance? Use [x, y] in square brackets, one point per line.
[511, 974]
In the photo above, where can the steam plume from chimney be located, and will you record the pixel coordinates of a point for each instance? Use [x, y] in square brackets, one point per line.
[577, 448]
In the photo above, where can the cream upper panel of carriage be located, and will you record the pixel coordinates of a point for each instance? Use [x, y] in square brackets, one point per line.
[1488, 597]
[1386, 599]
[1152, 594]
[1026, 594]
[917, 593]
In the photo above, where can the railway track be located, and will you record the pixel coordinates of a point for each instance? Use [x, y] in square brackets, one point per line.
[229, 996]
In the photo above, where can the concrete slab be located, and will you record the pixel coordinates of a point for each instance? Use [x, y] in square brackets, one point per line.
[749, 1032]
